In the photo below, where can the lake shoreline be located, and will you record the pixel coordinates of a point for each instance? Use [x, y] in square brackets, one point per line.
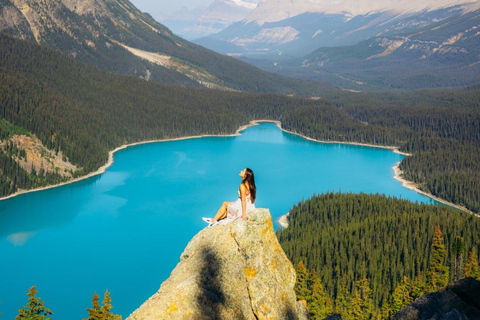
[283, 220]
[398, 174]
[413, 186]
[111, 153]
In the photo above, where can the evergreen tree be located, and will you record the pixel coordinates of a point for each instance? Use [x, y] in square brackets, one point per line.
[94, 312]
[418, 286]
[362, 301]
[472, 269]
[301, 285]
[437, 272]
[317, 301]
[328, 308]
[458, 248]
[342, 305]
[385, 311]
[34, 309]
[105, 313]
[401, 296]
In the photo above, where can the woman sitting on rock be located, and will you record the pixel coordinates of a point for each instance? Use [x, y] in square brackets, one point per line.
[230, 211]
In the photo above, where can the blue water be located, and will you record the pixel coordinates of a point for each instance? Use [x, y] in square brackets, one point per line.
[125, 229]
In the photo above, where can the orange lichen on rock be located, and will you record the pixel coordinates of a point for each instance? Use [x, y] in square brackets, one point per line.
[249, 272]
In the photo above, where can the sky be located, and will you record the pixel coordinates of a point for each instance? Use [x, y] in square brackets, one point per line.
[164, 7]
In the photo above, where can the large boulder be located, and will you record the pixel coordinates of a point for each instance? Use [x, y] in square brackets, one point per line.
[459, 301]
[237, 271]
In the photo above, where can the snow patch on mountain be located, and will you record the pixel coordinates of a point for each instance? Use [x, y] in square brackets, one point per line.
[279, 35]
[317, 33]
[246, 4]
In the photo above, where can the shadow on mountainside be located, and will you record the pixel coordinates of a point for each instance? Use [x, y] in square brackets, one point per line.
[211, 299]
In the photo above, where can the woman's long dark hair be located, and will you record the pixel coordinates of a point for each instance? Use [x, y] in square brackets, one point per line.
[250, 179]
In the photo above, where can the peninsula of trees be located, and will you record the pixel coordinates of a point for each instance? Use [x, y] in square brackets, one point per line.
[368, 256]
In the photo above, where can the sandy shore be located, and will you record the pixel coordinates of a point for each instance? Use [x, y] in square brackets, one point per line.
[413, 186]
[283, 221]
[103, 168]
[393, 148]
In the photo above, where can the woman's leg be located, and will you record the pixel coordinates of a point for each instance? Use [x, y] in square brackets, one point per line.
[222, 212]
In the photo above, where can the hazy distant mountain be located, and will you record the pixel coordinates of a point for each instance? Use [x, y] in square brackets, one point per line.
[116, 36]
[201, 22]
[297, 27]
[277, 10]
[182, 20]
[443, 54]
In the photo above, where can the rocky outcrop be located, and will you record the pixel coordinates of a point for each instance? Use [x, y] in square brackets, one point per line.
[459, 301]
[237, 271]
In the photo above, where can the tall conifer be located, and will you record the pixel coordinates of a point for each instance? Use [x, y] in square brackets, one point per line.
[385, 311]
[317, 301]
[94, 312]
[342, 305]
[458, 249]
[34, 309]
[107, 306]
[401, 296]
[472, 269]
[437, 272]
[418, 286]
[301, 285]
[362, 301]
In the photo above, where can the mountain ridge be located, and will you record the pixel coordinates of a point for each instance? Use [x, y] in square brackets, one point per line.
[309, 31]
[94, 32]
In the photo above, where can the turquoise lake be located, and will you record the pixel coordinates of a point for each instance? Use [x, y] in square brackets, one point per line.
[125, 229]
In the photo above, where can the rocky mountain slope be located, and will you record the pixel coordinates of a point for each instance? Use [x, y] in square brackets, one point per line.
[116, 36]
[444, 54]
[278, 29]
[237, 271]
[277, 10]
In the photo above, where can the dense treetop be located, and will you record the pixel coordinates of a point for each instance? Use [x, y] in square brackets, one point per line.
[348, 237]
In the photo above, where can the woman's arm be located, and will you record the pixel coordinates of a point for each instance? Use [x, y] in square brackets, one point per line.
[243, 196]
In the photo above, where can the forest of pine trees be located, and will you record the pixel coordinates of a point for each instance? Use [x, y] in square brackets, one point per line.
[35, 309]
[371, 255]
[90, 112]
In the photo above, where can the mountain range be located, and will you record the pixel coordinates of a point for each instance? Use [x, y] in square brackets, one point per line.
[442, 54]
[296, 28]
[370, 46]
[116, 36]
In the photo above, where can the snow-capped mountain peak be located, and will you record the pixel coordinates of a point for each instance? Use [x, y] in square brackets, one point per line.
[277, 10]
[246, 4]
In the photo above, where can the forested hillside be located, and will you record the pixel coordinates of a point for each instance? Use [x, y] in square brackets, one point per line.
[116, 36]
[84, 112]
[374, 241]
[440, 128]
